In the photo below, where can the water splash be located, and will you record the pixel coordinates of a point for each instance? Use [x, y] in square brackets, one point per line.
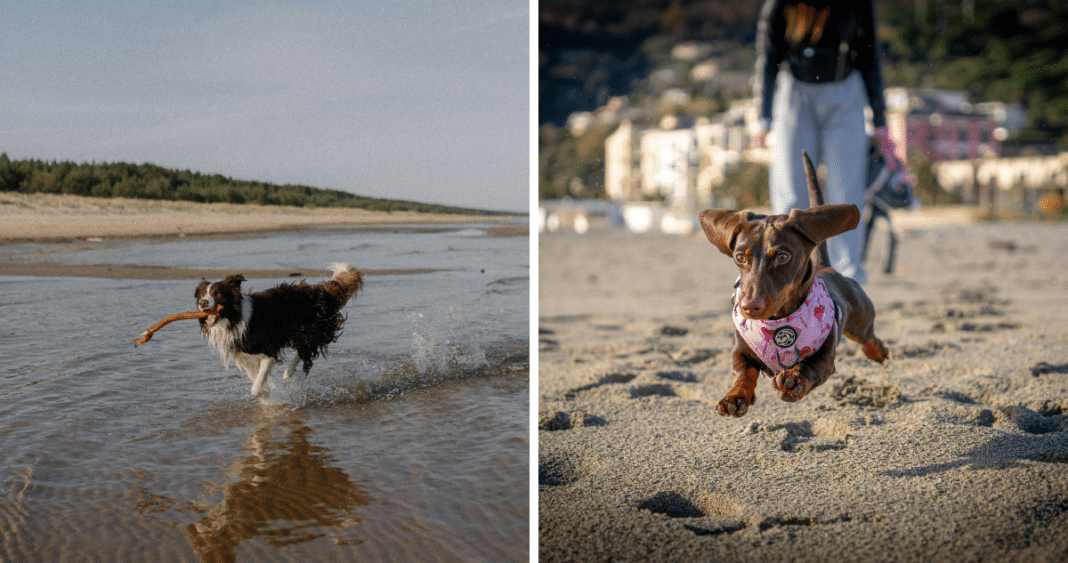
[442, 345]
[446, 347]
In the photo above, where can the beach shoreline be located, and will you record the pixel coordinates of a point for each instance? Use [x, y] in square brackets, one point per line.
[56, 218]
[126, 272]
[956, 450]
[68, 224]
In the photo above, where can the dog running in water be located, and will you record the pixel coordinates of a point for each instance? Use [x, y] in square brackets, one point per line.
[254, 329]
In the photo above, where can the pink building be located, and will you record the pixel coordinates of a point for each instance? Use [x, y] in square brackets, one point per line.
[945, 126]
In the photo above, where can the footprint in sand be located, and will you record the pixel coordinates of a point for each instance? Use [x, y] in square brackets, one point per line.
[817, 436]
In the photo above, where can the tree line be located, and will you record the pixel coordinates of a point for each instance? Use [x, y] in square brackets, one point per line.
[149, 181]
[998, 50]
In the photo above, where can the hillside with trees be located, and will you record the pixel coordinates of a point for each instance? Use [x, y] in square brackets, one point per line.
[148, 181]
[996, 50]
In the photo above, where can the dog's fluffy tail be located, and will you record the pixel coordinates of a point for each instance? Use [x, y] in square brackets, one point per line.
[345, 282]
[815, 197]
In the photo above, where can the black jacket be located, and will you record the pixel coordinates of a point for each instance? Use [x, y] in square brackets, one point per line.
[822, 41]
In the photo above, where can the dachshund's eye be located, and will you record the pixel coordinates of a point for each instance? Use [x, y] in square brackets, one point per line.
[739, 257]
[782, 257]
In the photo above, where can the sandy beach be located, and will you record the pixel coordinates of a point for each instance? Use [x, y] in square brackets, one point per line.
[72, 223]
[53, 217]
[956, 450]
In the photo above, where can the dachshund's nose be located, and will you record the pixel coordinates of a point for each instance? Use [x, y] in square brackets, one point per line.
[752, 307]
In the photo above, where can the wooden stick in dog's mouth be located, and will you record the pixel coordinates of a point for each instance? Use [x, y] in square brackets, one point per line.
[147, 334]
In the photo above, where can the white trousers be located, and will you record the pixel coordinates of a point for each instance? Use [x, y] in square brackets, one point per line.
[827, 121]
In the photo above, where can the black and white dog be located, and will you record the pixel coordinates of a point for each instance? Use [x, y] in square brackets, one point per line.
[254, 329]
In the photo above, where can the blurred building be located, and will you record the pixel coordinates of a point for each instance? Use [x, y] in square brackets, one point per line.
[962, 143]
[678, 167]
[944, 125]
[1019, 182]
[684, 162]
[681, 163]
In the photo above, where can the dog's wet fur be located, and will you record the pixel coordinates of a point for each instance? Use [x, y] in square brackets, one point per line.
[254, 330]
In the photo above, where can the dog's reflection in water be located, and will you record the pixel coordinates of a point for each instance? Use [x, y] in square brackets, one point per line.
[284, 491]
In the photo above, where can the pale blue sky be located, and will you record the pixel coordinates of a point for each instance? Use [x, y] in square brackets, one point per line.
[423, 100]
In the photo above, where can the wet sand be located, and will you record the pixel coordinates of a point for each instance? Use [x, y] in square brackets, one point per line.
[70, 223]
[956, 450]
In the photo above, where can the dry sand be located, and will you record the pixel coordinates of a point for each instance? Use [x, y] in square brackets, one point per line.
[957, 450]
[73, 223]
[50, 217]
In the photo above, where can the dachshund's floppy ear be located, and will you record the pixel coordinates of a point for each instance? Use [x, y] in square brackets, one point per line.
[820, 223]
[722, 227]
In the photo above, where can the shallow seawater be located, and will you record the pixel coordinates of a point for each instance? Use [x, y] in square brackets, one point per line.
[407, 442]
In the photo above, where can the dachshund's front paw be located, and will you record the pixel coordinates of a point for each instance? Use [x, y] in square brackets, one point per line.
[736, 404]
[792, 385]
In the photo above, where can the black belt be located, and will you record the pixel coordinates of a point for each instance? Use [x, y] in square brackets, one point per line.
[818, 65]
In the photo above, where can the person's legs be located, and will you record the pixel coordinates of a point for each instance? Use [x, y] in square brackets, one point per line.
[794, 130]
[845, 149]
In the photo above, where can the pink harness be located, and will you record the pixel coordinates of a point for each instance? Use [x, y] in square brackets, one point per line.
[783, 343]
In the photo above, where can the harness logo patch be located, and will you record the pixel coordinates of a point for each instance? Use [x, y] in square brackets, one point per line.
[785, 337]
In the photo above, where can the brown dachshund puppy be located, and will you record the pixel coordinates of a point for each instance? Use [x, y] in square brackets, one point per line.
[790, 308]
